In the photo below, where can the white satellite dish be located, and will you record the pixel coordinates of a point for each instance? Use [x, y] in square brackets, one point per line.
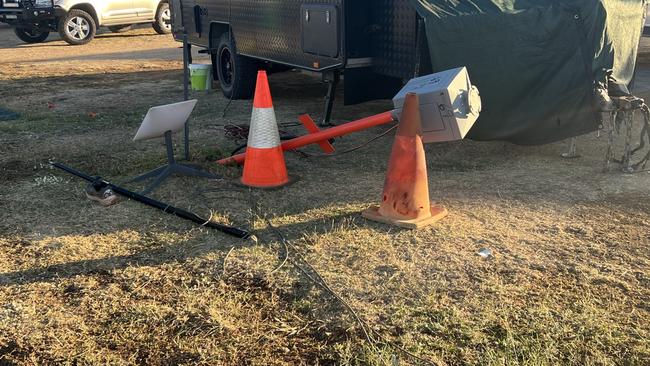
[160, 119]
[449, 104]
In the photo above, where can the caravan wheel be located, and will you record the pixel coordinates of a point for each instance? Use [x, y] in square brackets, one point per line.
[236, 73]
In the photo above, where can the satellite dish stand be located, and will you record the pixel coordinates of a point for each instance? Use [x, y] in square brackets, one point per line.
[172, 167]
[163, 121]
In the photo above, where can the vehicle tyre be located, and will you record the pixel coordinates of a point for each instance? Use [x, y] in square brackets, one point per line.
[77, 27]
[162, 24]
[29, 36]
[120, 28]
[236, 73]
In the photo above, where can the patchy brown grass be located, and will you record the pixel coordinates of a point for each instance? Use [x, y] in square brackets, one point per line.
[80, 284]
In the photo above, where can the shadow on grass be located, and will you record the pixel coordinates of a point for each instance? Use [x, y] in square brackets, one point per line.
[152, 257]
[102, 33]
[160, 255]
[158, 54]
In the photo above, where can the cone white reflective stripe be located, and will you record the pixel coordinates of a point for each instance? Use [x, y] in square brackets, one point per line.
[263, 133]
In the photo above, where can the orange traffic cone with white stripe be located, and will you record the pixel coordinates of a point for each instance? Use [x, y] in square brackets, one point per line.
[264, 166]
[406, 188]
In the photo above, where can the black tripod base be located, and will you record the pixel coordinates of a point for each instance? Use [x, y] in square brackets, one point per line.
[161, 173]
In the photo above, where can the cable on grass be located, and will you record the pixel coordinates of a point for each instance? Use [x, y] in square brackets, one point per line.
[199, 194]
[240, 132]
[238, 149]
[318, 280]
[227, 106]
[225, 260]
[315, 277]
[209, 218]
[310, 155]
[359, 147]
[286, 256]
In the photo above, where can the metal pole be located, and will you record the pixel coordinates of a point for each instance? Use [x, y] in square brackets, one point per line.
[166, 208]
[340, 130]
[170, 148]
[573, 149]
[627, 157]
[610, 139]
[186, 93]
[329, 98]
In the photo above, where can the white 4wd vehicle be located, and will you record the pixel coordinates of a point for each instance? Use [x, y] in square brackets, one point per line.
[77, 20]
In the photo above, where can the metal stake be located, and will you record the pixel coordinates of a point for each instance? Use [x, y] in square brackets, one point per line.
[629, 124]
[186, 93]
[332, 81]
[573, 150]
[610, 139]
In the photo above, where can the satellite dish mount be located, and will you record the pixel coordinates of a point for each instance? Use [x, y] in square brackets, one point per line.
[163, 121]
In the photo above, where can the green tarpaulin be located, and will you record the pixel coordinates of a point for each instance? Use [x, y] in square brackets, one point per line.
[535, 62]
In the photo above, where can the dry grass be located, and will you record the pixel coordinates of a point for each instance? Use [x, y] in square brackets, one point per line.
[81, 284]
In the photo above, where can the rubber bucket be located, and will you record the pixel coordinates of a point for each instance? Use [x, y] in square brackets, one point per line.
[200, 76]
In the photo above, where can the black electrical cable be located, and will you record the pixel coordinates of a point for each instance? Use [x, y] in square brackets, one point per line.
[317, 279]
[359, 147]
[309, 155]
[238, 149]
[312, 274]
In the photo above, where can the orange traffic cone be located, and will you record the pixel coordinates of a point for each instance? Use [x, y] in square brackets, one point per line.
[406, 189]
[264, 166]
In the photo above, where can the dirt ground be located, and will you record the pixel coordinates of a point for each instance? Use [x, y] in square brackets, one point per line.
[568, 283]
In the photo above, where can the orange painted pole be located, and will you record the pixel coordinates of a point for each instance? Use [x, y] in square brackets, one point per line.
[311, 127]
[314, 138]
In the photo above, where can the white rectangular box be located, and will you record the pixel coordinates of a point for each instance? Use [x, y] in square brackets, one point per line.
[449, 104]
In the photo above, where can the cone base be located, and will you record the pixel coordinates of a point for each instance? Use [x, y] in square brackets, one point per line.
[437, 213]
[268, 186]
[265, 168]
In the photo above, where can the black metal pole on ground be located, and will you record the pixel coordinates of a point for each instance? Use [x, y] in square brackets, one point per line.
[186, 93]
[237, 232]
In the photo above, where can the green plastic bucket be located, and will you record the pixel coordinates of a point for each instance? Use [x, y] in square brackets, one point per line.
[200, 76]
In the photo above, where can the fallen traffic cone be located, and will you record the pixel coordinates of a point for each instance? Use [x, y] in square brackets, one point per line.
[264, 166]
[406, 190]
